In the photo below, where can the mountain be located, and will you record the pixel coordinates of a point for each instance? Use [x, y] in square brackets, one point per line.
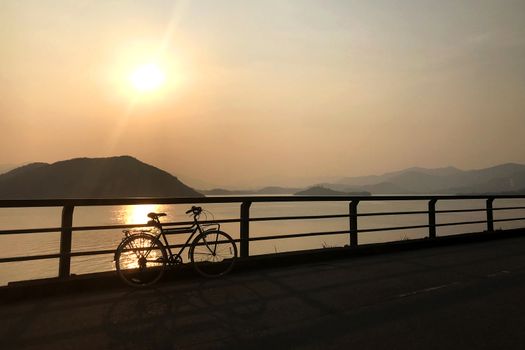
[421, 182]
[270, 190]
[323, 191]
[4, 168]
[376, 179]
[277, 190]
[113, 177]
[224, 192]
[20, 171]
[508, 178]
[385, 187]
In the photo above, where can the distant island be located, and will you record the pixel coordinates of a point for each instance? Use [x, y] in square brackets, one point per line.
[323, 191]
[113, 177]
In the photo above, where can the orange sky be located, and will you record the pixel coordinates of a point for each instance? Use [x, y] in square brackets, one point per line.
[265, 93]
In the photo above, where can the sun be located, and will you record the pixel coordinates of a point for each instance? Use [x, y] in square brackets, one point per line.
[147, 77]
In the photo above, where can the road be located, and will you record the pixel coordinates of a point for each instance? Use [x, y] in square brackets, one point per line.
[457, 297]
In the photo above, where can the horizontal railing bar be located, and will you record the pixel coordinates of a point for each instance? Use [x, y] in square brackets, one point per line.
[93, 252]
[72, 254]
[297, 235]
[112, 251]
[421, 226]
[165, 224]
[108, 227]
[306, 217]
[460, 210]
[17, 203]
[127, 226]
[78, 228]
[86, 228]
[220, 221]
[30, 230]
[56, 256]
[300, 217]
[508, 208]
[390, 213]
[394, 228]
[273, 218]
[512, 219]
[327, 216]
[331, 216]
[30, 257]
[462, 223]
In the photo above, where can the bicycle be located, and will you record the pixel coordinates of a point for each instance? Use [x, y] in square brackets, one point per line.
[141, 258]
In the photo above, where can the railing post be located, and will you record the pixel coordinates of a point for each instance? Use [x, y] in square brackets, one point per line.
[353, 223]
[432, 218]
[490, 215]
[245, 229]
[64, 266]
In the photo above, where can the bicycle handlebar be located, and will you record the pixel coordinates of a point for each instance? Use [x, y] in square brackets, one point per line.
[195, 210]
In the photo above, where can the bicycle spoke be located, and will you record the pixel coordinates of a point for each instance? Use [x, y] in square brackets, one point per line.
[133, 266]
[134, 249]
[213, 253]
[149, 250]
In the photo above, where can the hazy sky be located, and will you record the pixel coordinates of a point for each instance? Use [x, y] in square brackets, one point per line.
[265, 92]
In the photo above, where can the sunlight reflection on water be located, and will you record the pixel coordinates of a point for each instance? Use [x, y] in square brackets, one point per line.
[137, 214]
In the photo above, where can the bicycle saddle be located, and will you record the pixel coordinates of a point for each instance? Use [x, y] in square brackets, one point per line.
[156, 215]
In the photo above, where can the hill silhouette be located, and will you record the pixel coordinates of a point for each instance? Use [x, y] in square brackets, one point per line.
[225, 192]
[323, 191]
[113, 177]
[504, 178]
[269, 190]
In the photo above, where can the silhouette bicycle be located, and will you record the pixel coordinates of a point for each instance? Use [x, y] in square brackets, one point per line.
[141, 258]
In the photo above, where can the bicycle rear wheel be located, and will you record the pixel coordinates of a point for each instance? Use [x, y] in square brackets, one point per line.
[213, 253]
[140, 260]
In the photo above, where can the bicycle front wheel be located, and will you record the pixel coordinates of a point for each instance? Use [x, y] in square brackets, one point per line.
[213, 253]
[140, 260]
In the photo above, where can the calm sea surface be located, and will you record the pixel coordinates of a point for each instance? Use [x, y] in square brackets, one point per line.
[48, 243]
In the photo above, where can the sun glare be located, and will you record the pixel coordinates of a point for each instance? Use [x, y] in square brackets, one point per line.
[138, 214]
[147, 78]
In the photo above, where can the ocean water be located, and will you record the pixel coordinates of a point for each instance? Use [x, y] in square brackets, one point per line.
[49, 243]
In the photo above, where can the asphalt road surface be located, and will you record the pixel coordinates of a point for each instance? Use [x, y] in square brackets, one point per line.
[457, 297]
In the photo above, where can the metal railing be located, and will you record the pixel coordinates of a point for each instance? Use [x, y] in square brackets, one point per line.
[68, 205]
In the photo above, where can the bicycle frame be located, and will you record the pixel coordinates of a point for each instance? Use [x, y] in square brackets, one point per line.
[194, 230]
